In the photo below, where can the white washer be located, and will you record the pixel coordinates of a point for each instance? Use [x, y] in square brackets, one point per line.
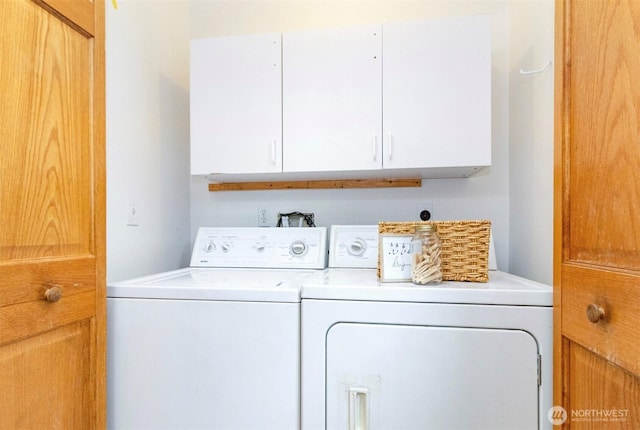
[215, 345]
[396, 355]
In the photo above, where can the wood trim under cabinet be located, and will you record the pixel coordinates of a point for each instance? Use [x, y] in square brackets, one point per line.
[320, 184]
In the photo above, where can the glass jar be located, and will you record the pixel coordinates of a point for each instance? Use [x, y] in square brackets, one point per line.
[426, 264]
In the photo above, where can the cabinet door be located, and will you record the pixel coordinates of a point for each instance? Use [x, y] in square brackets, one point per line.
[332, 99]
[437, 93]
[236, 108]
[413, 377]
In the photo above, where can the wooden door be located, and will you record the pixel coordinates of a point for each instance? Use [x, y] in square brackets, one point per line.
[597, 213]
[52, 215]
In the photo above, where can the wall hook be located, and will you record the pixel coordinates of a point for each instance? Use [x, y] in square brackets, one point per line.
[535, 72]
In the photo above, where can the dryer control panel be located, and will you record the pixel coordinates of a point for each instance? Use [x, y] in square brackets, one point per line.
[354, 246]
[260, 247]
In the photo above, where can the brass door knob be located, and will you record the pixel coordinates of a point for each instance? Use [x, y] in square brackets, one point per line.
[595, 313]
[53, 294]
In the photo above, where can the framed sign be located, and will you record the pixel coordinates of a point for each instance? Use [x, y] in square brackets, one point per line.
[395, 257]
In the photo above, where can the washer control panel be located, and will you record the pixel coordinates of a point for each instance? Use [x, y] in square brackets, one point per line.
[354, 246]
[260, 247]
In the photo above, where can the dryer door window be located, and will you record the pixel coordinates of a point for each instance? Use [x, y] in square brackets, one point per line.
[422, 377]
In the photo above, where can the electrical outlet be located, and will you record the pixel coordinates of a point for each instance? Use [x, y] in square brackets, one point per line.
[263, 217]
[424, 211]
[132, 213]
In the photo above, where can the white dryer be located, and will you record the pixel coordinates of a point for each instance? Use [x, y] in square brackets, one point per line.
[400, 356]
[215, 345]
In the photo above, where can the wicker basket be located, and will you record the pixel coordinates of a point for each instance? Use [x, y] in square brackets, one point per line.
[465, 247]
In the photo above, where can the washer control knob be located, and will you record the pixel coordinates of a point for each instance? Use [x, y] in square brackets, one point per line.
[210, 247]
[226, 247]
[357, 247]
[298, 248]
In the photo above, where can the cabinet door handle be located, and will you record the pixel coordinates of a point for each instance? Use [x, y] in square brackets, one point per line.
[375, 147]
[358, 408]
[390, 143]
[273, 151]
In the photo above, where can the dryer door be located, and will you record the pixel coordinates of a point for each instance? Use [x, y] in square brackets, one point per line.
[423, 377]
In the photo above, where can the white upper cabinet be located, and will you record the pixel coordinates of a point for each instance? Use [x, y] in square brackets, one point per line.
[407, 98]
[236, 104]
[332, 99]
[437, 93]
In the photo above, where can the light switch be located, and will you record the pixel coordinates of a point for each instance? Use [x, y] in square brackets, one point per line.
[132, 213]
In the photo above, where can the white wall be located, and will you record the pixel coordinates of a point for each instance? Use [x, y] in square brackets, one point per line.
[147, 136]
[531, 140]
[147, 133]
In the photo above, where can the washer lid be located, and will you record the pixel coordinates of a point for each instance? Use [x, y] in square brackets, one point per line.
[363, 284]
[249, 285]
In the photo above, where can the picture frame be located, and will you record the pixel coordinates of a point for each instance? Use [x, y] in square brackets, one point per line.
[395, 257]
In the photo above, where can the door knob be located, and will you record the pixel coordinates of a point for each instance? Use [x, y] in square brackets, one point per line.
[595, 313]
[53, 294]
